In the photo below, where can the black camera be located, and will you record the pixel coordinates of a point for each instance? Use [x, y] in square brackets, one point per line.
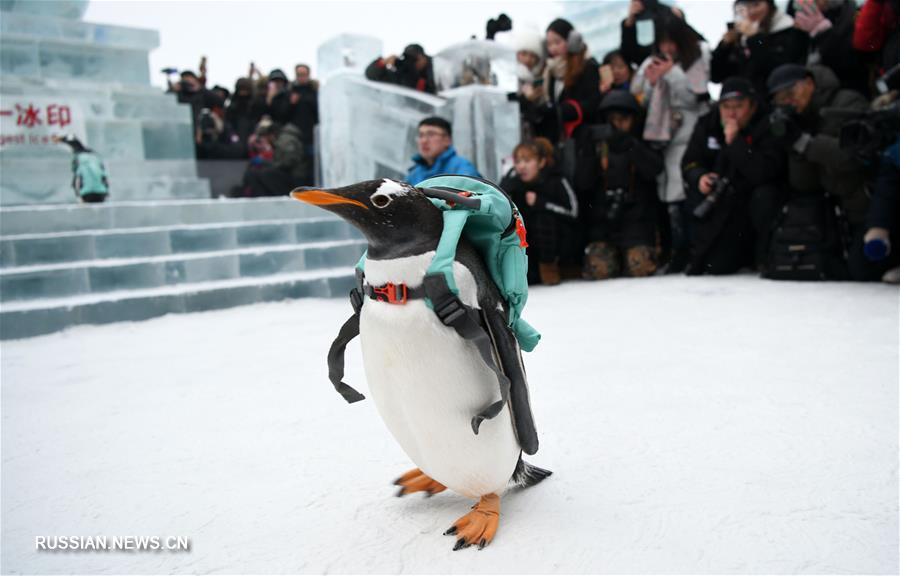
[209, 130]
[615, 202]
[602, 132]
[721, 188]
[868, 133]
[780, 120]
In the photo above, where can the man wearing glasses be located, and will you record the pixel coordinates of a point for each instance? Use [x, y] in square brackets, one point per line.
[436, 153]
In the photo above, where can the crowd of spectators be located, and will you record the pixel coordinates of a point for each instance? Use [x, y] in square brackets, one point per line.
[268, 120]
[628, 167]
[792, 171]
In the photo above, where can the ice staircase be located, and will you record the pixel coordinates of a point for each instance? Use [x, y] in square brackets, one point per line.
[63, 265]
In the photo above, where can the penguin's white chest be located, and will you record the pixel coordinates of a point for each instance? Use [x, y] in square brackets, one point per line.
[427, 384]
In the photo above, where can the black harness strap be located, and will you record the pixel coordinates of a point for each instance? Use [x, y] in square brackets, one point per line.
[349, 331]
[453, 313]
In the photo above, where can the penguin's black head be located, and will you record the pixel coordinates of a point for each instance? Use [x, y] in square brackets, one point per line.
[396, 218]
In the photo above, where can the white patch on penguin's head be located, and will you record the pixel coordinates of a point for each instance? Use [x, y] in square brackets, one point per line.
[388, 191]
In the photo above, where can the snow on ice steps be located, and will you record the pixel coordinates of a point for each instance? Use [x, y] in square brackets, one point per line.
[52, 247]
[62, 265]
[36, 317]
[97, 276]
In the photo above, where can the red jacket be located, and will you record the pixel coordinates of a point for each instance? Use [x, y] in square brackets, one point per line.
[874, 24]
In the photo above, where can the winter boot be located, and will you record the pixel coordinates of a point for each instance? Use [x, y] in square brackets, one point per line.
[640, 262]
[550, 275]
[601, 261]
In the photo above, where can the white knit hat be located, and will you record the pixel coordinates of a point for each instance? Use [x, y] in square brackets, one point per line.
[528, 40]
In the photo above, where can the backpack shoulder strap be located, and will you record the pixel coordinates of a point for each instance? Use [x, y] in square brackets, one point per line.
[348, 332]
[465, 320]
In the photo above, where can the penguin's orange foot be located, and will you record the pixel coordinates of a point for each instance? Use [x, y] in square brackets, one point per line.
[416, 481]
[479, 525]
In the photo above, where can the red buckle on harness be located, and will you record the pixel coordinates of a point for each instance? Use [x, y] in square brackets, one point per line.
[389, 293]
[464, 193]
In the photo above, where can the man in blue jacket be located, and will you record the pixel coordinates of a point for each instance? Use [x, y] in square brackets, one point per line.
[436, 153]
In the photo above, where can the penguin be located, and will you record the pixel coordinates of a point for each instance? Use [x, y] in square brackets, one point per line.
[427, 381]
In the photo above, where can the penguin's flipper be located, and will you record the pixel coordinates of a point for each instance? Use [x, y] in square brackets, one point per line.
[507, 350]
[417, 481]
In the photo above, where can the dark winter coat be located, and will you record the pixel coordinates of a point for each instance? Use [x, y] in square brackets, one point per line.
[554, 195]
[305, 113]
[404, 75]
[824, 165]
[289, 152]
[754, 163]
[569, 116]
[551, 222]
[279, 109]
[241, 116]
[633, 167]
[834, 47]
[755, 158]
[764, 52]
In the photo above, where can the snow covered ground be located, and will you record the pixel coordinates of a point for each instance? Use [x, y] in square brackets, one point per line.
[726, 425]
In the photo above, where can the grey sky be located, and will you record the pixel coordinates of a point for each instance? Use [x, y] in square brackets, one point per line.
[281, 34]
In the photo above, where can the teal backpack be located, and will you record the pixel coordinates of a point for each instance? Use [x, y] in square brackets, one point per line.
[89, 174]
[485, 215]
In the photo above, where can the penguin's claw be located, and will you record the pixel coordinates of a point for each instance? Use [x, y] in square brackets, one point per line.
[417, 481]
[478, 526]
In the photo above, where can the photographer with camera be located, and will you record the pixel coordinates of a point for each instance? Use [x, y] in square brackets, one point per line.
[732, 168]
[278, 97]
[412, 69]
[625, 208]
[817, 164]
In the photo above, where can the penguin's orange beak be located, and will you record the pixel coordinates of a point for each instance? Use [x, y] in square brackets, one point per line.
[323, 198]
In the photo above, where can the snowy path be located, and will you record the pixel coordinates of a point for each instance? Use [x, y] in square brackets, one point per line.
[694, 425]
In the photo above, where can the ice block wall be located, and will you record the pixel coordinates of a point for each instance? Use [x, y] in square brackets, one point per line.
[60, 75]
[368, 129]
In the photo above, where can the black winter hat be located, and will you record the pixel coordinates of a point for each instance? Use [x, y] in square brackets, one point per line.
[413, 51]
[785, 76]
[277, 74]
[620, 100]
[562, 27]
[735, 88]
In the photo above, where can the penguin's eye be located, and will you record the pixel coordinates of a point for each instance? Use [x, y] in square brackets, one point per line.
[380, 200]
